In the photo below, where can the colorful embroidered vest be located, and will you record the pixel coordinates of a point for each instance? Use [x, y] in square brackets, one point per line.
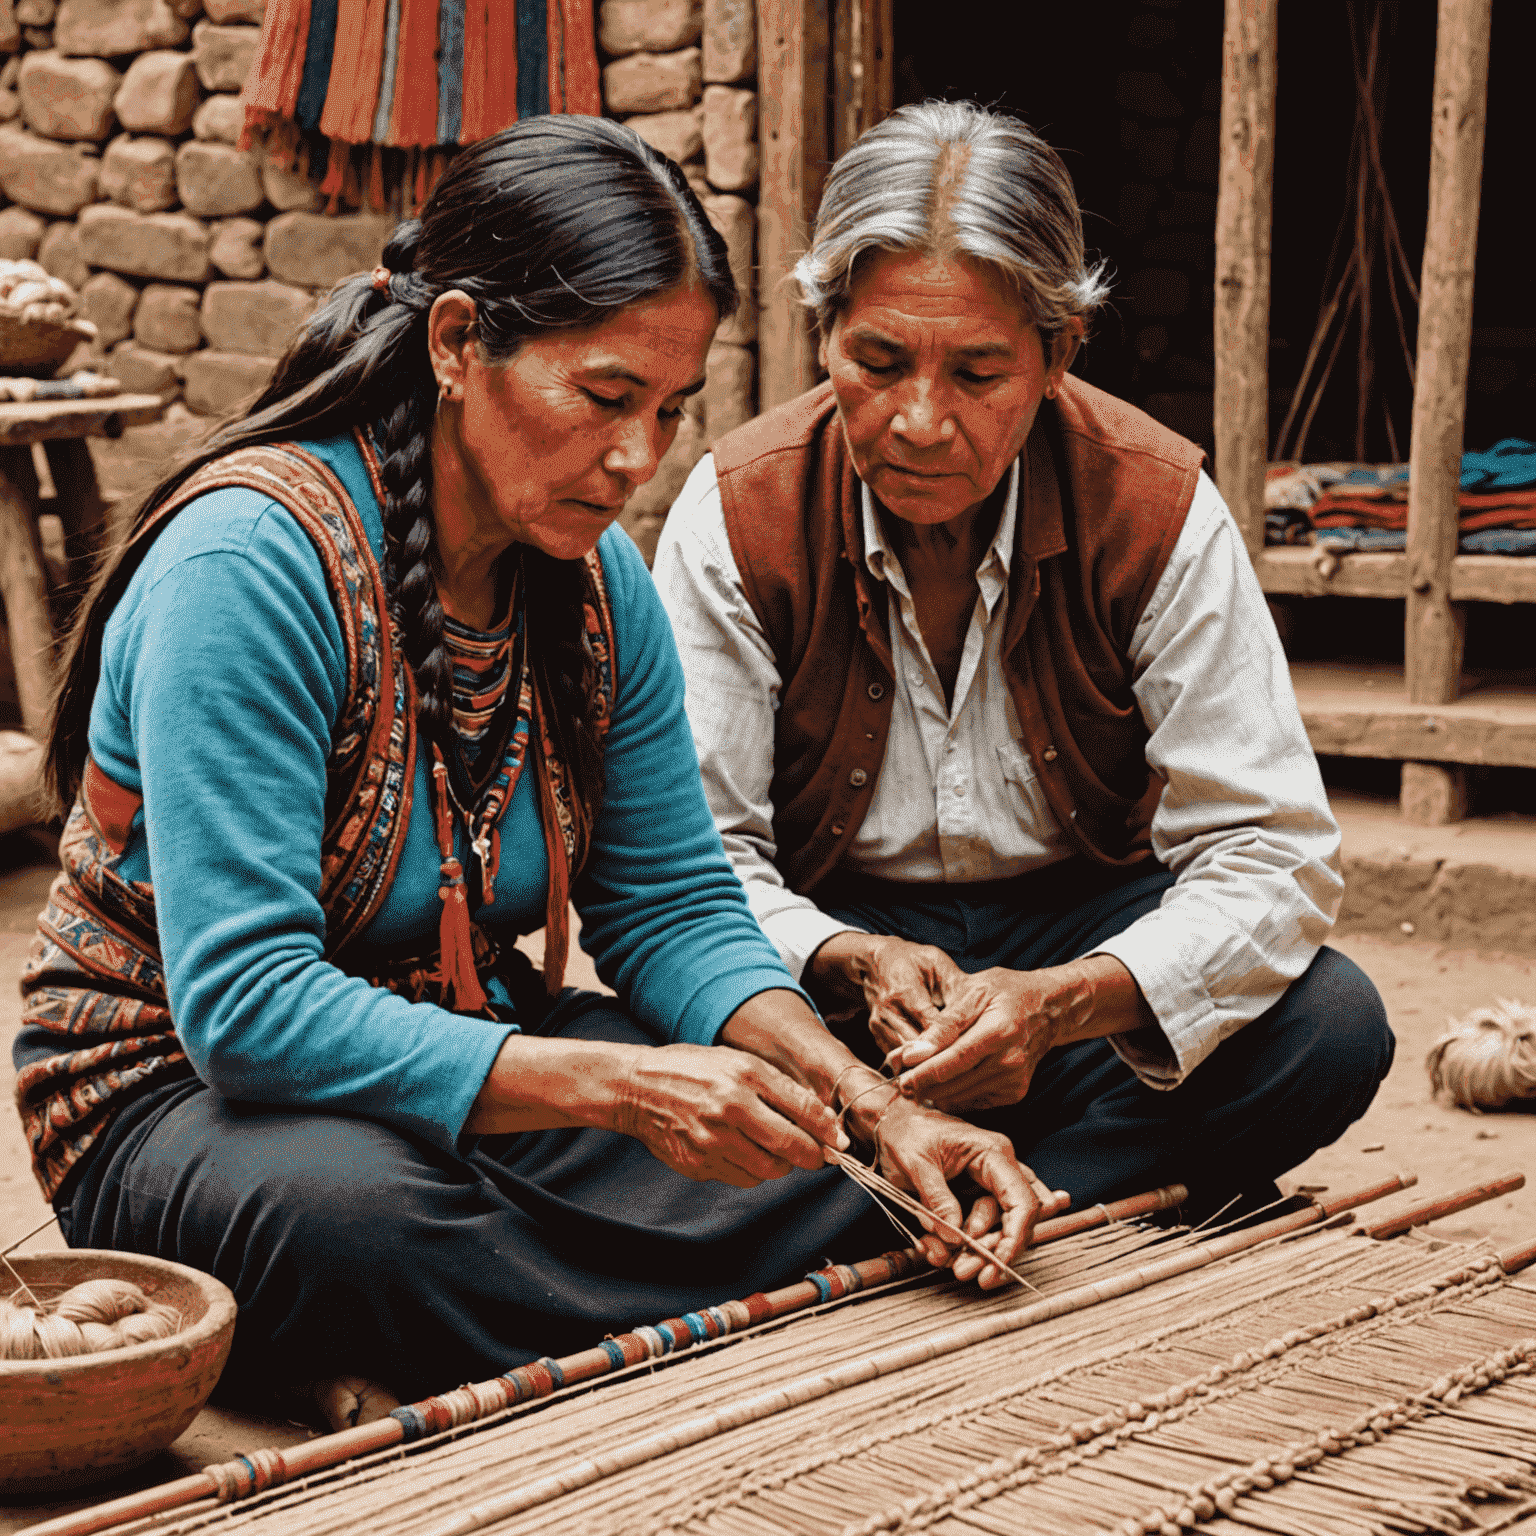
[94, 975]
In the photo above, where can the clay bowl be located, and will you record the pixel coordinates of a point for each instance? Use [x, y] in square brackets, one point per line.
[71, 1422]
[37, 347]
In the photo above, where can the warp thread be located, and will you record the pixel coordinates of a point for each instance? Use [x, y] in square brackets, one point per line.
[88, 1318]
[1488, 1059]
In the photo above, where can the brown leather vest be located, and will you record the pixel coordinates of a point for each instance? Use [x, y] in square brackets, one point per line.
[1103, 493]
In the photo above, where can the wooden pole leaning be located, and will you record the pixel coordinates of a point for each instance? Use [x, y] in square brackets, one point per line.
[1433, 1210]
[1244, 211]
[272, 1468]
[1435, 632]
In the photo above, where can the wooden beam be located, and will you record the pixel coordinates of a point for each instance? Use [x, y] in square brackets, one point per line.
[1243, 214]
[863, 77]
[43, 421]
[1365, 711]
[792, 128]
[1292, 571]
[1436, 624]
[24, 589]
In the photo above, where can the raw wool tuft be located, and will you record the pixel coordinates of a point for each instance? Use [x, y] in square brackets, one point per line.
[1488, 1059]
[88, 1318]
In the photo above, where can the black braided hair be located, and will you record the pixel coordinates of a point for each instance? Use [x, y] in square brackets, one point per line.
[555, 223]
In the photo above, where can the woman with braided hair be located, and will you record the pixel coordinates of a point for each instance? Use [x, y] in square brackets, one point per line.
[373, 688]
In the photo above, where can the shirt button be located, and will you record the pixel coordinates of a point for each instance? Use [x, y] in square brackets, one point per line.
[877, 690]
[858, 778]
[869, 735]
[837, 829]
[1049, 754]
[960, 789]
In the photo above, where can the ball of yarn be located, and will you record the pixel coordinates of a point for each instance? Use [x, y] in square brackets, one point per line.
[88, 1318]
[1488, 1059]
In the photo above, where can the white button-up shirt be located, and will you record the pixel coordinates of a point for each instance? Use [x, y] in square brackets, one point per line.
[1243, 821]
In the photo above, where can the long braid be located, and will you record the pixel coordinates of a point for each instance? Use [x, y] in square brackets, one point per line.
[406, 471]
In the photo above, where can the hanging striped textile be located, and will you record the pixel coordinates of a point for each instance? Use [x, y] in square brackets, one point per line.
[341, 83]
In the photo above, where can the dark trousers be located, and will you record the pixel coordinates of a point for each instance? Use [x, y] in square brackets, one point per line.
[353, 1248]
[1269, 1096]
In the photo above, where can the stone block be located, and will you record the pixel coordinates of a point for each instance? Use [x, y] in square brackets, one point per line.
[730, 137]
[694, 172]
[10, 28]
[105, 28]
[36, 13]
[258, 319]
[20, 234]
[730, 395]
[653, 82]
[289, 192]
[678, 135]
[159, 93]
[219, 120]
[169, 246]
[736, 219]
[45, 176]
[217, 180]
[140, 173]
[236, 249]
[218, 382]
[729, 41]
[64, 98]
[37, 37]
[223, 56]
[223, 11]
[312, 251]
[10, 106]
[60, 255]
[142, 371]
[167, 319]
[648, 26]
[108, 301]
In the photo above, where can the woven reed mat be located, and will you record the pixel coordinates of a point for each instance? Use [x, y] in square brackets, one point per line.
[1322, 1384]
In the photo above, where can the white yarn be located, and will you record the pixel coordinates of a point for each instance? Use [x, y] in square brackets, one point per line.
[1487, 1059]
[88, 1318]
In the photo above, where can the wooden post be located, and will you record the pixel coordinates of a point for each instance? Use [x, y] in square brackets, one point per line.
[1435, 625]
[1435, 628]
[863, 70]
[1243, 216]
[24, 589]
[792, 128]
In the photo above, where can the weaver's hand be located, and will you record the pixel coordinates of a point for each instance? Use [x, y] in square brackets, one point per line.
[709, 1112]
[905, 986]
[924, 1151]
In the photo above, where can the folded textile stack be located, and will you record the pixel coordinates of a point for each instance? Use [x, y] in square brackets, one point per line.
[1346, 507]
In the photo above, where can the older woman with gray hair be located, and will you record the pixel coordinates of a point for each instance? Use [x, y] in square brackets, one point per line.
[992, 717]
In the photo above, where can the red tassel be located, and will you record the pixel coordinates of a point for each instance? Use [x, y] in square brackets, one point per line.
[376, 180]
[456, 949]
[335, 174]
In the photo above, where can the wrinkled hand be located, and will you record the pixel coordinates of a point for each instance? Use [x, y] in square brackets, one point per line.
[709, 1112]
[924, 1151]
[981, 1052]
[904, 986]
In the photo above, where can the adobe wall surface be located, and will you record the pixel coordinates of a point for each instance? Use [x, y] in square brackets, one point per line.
[120, 173]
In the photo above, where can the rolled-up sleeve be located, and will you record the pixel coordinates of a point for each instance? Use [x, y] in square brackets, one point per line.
[1243, 822]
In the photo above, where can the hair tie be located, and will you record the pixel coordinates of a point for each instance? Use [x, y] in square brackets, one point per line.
[381, 277]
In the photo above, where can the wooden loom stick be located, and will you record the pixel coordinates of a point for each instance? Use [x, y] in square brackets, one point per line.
[920, 1351]
[1432, 1210]
[326, 1451]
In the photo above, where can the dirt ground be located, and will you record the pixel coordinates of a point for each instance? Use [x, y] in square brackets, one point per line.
[1423, 985]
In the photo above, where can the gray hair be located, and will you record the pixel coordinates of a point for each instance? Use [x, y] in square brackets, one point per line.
[947, 178]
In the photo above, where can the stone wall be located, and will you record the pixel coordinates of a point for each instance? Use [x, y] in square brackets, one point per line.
[682, 74]
[118, 159]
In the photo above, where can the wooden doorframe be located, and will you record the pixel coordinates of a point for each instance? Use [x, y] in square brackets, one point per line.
[825, 74]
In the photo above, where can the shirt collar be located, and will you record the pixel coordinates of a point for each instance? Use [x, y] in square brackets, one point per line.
[996, 565]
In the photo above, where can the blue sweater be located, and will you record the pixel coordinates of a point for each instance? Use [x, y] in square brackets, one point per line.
[222, 676]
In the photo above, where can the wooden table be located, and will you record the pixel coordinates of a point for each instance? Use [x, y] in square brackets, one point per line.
[61, 426]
